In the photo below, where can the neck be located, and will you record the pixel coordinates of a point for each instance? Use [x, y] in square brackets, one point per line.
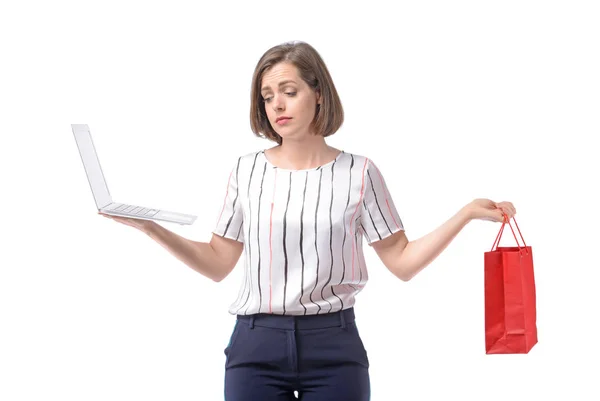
[309, 153]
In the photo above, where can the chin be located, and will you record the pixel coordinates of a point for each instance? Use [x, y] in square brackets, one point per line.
[285, 134]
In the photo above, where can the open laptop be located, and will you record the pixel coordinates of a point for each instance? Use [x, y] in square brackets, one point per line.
[104, 202]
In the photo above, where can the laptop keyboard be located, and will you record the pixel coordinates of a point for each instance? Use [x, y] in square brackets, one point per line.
[135, 210]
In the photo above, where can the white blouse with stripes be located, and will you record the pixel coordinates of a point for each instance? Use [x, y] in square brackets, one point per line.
[302, 232]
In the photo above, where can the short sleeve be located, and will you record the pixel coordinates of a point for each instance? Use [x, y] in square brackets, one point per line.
[231, 218]
[379, 218]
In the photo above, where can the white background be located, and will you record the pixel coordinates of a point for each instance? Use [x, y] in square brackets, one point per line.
[452, 100]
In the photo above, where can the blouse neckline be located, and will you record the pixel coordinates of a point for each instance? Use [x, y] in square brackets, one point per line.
[301, 170]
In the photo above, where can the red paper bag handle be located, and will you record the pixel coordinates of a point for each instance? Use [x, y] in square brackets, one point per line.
[506, 220]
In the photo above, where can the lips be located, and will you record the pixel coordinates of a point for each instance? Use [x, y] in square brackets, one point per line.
[283, 121]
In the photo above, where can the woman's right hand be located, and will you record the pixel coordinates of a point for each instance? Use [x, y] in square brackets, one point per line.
[140, 224]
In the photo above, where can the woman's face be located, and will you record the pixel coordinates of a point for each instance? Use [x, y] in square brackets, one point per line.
[285, 94]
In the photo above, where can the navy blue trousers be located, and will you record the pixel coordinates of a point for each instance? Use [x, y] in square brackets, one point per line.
[322, 357]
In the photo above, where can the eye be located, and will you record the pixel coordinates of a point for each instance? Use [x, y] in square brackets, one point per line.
[268, 99]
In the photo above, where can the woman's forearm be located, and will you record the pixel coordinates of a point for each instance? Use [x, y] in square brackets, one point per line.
[421, 252]
[200, 256]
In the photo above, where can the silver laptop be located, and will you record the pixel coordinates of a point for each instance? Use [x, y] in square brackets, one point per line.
[104, 202]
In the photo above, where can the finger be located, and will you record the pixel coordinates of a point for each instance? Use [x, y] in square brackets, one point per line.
[511, 208]
[507, 208]
[501, 206]
[496, 216]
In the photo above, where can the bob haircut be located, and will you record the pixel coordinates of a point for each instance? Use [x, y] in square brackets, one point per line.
[329, 115]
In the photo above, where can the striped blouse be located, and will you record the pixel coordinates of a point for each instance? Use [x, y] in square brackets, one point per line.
[302, 232]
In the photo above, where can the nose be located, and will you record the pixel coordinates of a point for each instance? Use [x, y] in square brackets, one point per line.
[278, 103]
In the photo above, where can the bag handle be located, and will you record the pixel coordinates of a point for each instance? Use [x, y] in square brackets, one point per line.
[497, 240]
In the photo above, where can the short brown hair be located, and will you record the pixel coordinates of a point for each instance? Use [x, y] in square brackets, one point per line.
[312, 69]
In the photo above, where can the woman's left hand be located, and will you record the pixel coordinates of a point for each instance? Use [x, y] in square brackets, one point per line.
[485, 209]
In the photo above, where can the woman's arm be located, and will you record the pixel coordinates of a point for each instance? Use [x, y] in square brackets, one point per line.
[419, 253]
[405, 259]
[214, 260]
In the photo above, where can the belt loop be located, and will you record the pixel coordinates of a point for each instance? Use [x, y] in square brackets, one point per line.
[252, 321]
[342, 319]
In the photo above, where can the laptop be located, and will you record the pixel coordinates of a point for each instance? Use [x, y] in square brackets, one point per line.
[104, 202]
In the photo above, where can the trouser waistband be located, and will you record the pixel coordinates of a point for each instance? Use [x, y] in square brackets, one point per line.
[292, 322]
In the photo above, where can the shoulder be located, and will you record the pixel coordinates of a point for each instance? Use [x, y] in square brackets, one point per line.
[242, 160]
[359, 160]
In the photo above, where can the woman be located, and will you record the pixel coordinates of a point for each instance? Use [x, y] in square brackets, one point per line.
[300, 210]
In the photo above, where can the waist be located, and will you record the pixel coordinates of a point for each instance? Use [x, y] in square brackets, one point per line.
[301, 322]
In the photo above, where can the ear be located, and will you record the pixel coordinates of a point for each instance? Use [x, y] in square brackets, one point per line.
[319, 98]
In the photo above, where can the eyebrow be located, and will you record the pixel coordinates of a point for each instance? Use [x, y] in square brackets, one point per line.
[280, 84]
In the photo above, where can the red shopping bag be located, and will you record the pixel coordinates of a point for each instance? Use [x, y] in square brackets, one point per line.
[510, 313]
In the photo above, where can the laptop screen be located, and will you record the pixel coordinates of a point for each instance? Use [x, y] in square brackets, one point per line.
[91, 165]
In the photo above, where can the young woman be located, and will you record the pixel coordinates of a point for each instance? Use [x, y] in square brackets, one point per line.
[299, 211]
